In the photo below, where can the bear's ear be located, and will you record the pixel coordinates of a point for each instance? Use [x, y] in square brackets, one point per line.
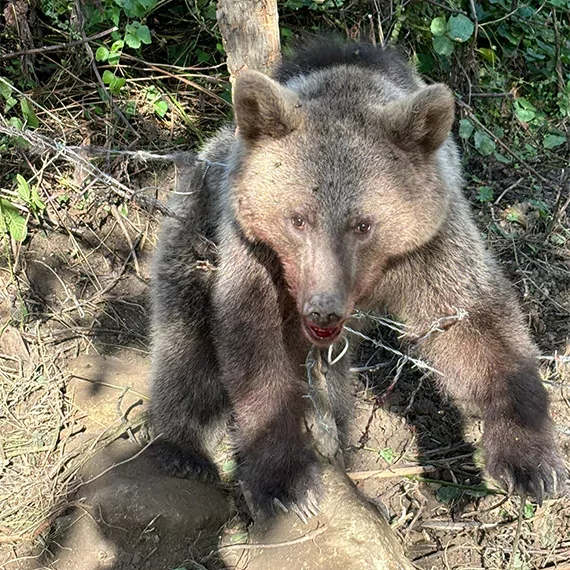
[422, 121]
[263, 107]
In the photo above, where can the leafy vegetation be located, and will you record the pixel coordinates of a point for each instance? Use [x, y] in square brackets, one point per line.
[508, 63]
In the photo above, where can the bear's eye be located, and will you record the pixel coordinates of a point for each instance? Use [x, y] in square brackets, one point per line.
[363, 227]
[298, 221]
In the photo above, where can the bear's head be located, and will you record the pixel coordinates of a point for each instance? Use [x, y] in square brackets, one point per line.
[337, 193]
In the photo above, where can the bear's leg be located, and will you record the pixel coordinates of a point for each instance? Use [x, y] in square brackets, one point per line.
[484, 357]
[261, 353]
[487, 359]
[189, 405]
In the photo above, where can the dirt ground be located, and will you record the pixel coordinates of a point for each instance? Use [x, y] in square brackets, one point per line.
[77, 490]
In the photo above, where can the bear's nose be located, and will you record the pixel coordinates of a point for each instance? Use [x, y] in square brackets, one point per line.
[324, 311]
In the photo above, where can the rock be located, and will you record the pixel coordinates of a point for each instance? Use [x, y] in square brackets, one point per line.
[134, 517]
[350, 533]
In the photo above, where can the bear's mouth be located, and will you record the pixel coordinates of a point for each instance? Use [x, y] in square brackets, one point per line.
[322, 336]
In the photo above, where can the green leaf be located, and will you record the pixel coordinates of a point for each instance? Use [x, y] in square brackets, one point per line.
[18, 227]
[132, 8]
[114, 14]
[36, 202]
[108, 77]
[525, 110]
[28, 114]
[512, 34]
[484, 143]
[489, 54]
[512, 215]
[23, 188]
[203, 57]
[438, 26]
[131, 36]
[143, 34]
[447, 494]
[387, 455]
[552, 141]
[542, 207]
[161, 108]
[460, 28]
[117, 84]
[10, 102]
[502, 158]
[137, 34]
[442, 45]
[229, 466]
[115, 53]
[210, 11]
[498, 131]
[7, 212]
[425, 62]
[16, 122]
[525, 115]
[557, 239]
[5, 88]
[114, 57]
[102, 54]
[465, 128]
[485, 194]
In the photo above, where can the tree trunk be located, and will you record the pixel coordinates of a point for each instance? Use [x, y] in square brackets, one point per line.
[250, 34]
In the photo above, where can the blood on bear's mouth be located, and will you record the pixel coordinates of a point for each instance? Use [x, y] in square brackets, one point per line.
[322, 336]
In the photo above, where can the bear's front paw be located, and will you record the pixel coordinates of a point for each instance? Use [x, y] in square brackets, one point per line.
[297, 488]
[523, 461]
[179, 462]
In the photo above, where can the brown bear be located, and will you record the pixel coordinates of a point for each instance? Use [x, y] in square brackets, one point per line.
[339, 190]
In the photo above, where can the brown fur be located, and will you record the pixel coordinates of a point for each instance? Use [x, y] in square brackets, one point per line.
[342, 190]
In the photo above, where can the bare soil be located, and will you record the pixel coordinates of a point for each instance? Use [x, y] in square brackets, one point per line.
[77, 490]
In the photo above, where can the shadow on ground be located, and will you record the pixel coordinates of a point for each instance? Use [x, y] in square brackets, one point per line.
[128, 516]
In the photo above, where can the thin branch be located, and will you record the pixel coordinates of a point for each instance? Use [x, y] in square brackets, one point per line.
[178, 78]
[115, 465]
[504, 94]
[73, 155]
[517, 533]
[446, 8]
[476, 22]
[309, 536]
[59, 47]
[391, 472]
